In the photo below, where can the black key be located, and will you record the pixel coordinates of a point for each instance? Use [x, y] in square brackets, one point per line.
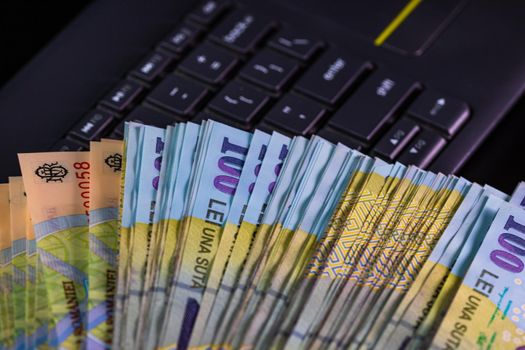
[372, 105]
[242, 31]
[178, 95]
[296, 114]
[337, 137]
[395, 140]
[293, 43]
[181, 39]
[239, 102]
[145, 115]
[270, 70]
[153, 66]
[331, 76]
[208, 11]
[209, 63]
[123, 96]
[93, 126]
[423, 149]
[67, 145]
[445, 113]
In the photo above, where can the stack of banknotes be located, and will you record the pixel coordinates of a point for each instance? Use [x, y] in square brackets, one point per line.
[210, 237]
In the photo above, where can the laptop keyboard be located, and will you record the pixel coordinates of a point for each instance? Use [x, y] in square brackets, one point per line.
[227, 63]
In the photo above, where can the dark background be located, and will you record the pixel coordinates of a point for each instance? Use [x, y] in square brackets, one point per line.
[26, 27]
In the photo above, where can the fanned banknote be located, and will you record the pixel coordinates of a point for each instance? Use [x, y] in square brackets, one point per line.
[169, 222]
[106, 171]
[223, 154]
[57, 188]
[6, 275]
[414, 310]
[243, 191]
[211, 237]
[487, 310]
[272, 161]
[17, 206]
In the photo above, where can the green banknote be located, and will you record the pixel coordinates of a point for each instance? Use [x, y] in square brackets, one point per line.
[57, 188]
[17, 204]
[106, 170]
[6, 276]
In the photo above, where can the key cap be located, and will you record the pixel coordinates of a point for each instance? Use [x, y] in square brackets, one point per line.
[239, 102]
[181, 39]
[395, 140]
[92, 126]
[443, 112]
[67, 145]
[178, 95]
[294, 43]
[209, 63]
[151, 68]
[331, 76]
[372, 105]
[423, 149]
[123, 96]
[146, 115]
[270, 70]
[242, 31]
[208, 11]
[296, 114]
[337, 137]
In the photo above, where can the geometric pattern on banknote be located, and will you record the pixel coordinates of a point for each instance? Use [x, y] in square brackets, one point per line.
[422, 250]
[384, 211]
[338, 258]
[407, 266]
[374, 250]
[336, 226]
[397, 240]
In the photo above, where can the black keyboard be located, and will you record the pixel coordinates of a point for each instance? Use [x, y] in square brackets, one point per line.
[228, 63]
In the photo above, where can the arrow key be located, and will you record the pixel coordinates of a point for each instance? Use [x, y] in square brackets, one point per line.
[423, 149]
[442, 112]
[396, 139]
